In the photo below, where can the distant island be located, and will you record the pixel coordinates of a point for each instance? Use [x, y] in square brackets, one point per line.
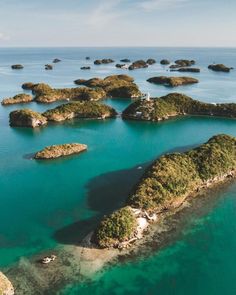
[173, 105]
[165, 186]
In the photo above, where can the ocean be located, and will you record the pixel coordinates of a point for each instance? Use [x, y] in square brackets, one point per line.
[42, 201]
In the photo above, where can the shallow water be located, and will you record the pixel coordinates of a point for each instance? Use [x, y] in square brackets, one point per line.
[47, 204]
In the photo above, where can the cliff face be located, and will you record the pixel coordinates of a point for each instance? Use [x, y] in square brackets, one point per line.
[168, 182]
[26, 118]
[175, 104]
[6, 287]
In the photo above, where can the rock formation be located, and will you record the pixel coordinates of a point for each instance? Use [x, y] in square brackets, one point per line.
[172, 81]
[6, 287]
[19, 98]
[62, 150]
[219, 68]
[26, 118]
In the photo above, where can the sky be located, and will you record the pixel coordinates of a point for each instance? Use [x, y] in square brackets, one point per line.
[208, 23]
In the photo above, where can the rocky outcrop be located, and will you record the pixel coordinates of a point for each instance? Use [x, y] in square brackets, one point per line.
[164, 187]
[82, 110]
[6, 287]
[182, 63]
[48, 67]
[103, 61]
[26, 118]
[175, 104]
[164, 62]
[85, 68]
[62, 150]
[219, 68]
[56, 60]
[87, 58]
[119, 86]
[138, 64]
[151, 61]
[172, 81]
[19, 98]
[126, 60]
[28, 86]
[189, 70]
[17, 67]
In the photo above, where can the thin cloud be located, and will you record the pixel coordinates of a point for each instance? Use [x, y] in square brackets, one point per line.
[150, 5]
[4, 37]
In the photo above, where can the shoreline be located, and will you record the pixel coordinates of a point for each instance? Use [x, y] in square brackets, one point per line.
[78, 263]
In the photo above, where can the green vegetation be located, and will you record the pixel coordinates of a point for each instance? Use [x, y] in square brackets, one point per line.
[168, 181]
[120, 86]
[176, 104]
[80, 109]
[19, 98]
[117, 227]
[178, 175]
[27, 118]
[45, 94]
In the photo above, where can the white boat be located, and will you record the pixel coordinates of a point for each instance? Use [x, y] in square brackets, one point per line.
[48, 259]
[146, 96]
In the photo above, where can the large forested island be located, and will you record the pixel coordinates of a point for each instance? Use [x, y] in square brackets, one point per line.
[176, 104]
[165, 186]
[78, 109]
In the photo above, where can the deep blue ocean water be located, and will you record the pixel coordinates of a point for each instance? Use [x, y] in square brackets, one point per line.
[39, 199]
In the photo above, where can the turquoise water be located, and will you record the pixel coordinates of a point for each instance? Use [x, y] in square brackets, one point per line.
[46, 204]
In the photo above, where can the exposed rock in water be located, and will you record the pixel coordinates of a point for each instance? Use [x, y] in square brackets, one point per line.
[19, 98]
[26, 118]
[17, 67]
[103, 61]
[6, 287]
[28, 86]
[182, 63]
[164, 62]
[87, 58]
[138, 64]
[166, 184]
[56, 60]
[62, 150]
[175, 104]
[85, 68]
[45, 94]
[119, 86]
[151, 61]
[190, 70]
[125, 60]
[172, 81]
[219, 68]
[48, 67]
[82, 110]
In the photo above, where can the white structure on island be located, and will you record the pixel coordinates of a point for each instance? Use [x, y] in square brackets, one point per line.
[146, 96]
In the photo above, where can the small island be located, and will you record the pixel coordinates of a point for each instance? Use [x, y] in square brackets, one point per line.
[19, 98]
[81, 110]
[6, 287]
[172, 81]
[45, 94]
[103, 61]
[189, 70]
[26, 118]
[166, 184]
[165, 62]
[62, 150]
[138, 64]
[176, 104]
[17, 67]
[180, 63]
[115, 86]
[219, 68]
